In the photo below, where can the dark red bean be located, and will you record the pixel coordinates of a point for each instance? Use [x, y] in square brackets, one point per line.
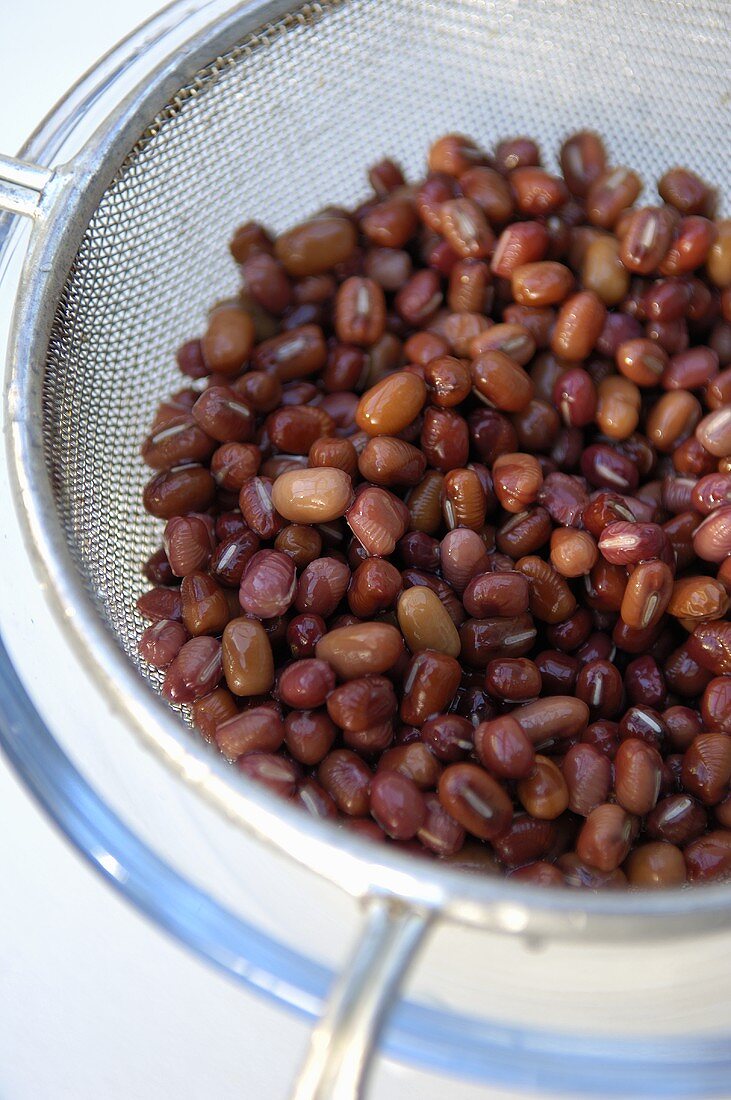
[309, 735]
[224, 416]
[321, 586]
[178, 491]
[513, 679]
[504, 748]
[605, 837]
[414, 760]
[558, 672]
[605, 468]
[315, 800]
[637, 776]
[683, 724]
[708, 859]
[475, 800]
[645, 724]
[180, 440]
[440, 833]
[484, 639]
[430, 684]
[588, 776]
[525, 840]
[599, 685]
[303, 634]
[449, 736]
[678, 819]
[347, 779]
[306, 684]
[268, 584]
[397, 805]
[157, 569]
[706, 767]
[275, 772]
[710, 647]
[195, 671]
[504, 594]
[259, 729]
[161, 642]
[362, 703]
[162, 603]
[231, 557]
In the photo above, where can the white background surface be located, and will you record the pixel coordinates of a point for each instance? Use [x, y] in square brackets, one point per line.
[95, 1001]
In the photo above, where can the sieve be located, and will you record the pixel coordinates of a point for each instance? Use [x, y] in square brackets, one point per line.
[266, 111]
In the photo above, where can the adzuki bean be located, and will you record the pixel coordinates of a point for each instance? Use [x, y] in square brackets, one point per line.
[445, 549]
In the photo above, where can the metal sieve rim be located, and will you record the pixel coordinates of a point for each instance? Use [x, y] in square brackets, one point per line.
[65, 207]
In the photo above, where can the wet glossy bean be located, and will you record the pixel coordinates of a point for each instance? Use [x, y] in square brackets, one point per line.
[475, 800]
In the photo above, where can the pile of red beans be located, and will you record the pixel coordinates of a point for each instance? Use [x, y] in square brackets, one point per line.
[447, 504]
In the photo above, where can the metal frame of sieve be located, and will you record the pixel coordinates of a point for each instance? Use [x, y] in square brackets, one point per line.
[400, 900]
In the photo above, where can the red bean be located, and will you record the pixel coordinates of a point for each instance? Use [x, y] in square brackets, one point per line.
[321, 586]
[257, 730]
[231, 557]
[638, 774]
[539, 873]
[708, 859]
[430, 684]
[560, 716]
[544, 793]
[174, 492]
[605, 837]
[710, 646]
[315, 800]
[194, 672]
[475, 800]
[588, 776]
[440, 833]
[378, 520]
[397, 805]
[257, 508]
[211, 710]
[205, 607]
[525, 840]
[415, 761]
[362, 703]
[483, 639]
[309, 735]
[268, 584]
[161, 603]
[449, 736]
[306, 684]
[347, 779]
[655, 866]
[275, 772]
[707, 767]
[161, 642]
[504, 594]
[504, 748]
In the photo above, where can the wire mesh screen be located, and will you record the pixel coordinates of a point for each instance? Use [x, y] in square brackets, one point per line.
[286, 123]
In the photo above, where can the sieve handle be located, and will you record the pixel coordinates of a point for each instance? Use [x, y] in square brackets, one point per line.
[21, 186]
[344, 1041]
